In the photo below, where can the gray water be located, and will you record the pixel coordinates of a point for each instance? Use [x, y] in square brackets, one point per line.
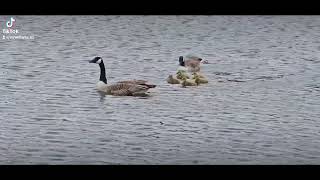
[261, 106]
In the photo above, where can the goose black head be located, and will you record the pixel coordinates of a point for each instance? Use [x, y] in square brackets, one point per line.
[96, 60]
[181, 62]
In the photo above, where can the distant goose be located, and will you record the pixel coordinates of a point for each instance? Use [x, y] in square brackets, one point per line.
[122, 88]
[192, 63]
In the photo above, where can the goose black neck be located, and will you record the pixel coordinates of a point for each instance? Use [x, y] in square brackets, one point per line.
[103, 73]
[181, 61]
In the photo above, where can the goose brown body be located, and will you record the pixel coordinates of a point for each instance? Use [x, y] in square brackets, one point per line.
[124, 89]
[193, 65]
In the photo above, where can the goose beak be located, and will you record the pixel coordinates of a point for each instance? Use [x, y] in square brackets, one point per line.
[90, 61]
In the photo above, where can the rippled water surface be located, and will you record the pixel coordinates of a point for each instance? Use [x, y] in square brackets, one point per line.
[261, 106]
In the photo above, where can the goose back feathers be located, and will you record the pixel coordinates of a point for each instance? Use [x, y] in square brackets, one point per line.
[192, 63]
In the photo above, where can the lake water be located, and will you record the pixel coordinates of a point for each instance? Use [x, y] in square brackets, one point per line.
[261, 106]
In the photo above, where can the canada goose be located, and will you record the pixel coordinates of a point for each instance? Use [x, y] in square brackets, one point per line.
[122, 88]
[172, 80]
[191, 63]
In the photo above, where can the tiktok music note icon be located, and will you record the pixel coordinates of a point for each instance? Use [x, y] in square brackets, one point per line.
[11, 22]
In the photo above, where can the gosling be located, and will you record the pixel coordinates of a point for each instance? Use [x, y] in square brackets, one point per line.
[172, 80]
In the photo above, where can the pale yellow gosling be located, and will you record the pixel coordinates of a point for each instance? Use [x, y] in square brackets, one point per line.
[172, 80]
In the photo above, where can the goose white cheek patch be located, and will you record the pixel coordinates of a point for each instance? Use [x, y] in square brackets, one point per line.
[99, 61]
